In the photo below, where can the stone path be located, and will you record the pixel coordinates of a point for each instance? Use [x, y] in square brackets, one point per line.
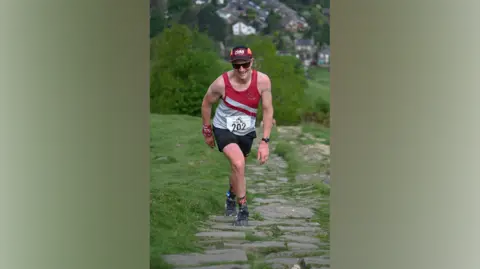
[280, 228]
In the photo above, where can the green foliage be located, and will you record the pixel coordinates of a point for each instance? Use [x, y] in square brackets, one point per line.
[318, 111]
[324, 3]
[210, 23]
[273, 21]
[183, 65]
[251, 14]
[318, 131]
[318, 25]
[157, 22]
[189, 17]
[178, 6]
[317, 97]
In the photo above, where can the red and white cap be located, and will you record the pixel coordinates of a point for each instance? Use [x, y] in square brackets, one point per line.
[241, 53]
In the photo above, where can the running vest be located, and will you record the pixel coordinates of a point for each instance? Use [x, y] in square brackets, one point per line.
[237, 110]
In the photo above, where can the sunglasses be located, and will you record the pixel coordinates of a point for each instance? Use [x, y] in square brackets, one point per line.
[244, 65]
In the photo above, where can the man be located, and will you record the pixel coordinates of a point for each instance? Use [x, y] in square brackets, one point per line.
[239, 92]
[274, 123]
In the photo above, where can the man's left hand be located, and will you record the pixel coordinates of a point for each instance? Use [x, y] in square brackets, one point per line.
[263, 152]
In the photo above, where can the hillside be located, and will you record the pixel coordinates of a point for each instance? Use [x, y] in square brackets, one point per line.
[188, 184]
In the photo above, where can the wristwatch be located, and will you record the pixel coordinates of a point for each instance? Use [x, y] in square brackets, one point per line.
[266, 139]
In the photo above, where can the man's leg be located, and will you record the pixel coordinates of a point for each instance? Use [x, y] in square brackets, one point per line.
[223, 138]
[237, 161]
[245, 143]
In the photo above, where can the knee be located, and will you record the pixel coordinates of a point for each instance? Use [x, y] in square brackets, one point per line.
[238, 165]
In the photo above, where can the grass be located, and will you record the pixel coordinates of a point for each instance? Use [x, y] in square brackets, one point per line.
[319, 85]
[318, 131]
[256, 261]
[322, 216]
[188, 183]
[289, 154]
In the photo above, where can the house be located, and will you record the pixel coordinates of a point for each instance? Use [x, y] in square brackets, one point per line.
[241, 28]
[294, 24]
[201, 2]
[326, 13]
[227, 16]
[290, 21]
[305, 45]
[232, 12]
[283, 53]
[324, 56]
[236, 9]
[305, 50]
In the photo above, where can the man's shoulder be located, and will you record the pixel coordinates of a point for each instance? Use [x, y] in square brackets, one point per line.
[218, 83]
[262, 76]
[263, 81]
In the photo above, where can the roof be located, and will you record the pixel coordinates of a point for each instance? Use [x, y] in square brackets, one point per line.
[304, 42]
[325, 50]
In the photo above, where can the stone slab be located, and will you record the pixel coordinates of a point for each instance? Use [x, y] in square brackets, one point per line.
[298, 229]
[295, 245]
[257, 245]
[210, 256]
[222, 266]
[284, 211]
[231, 227]
[222, 219]
[222, 234]
[291, 261]
[294, 253]
[301, 239]
[270, 200]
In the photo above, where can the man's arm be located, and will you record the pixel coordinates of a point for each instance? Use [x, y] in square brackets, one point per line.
[267, 106]
[214, 92]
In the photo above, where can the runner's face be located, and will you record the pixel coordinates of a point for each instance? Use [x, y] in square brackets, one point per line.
[242, 68]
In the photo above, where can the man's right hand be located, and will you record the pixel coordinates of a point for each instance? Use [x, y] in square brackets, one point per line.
[208, 135]
[210, 141]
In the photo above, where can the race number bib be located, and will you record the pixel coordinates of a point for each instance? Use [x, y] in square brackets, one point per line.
[238, 124]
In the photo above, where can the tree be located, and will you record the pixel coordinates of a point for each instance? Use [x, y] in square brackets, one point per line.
[319, 28]
[189, 17]
[210, 23]
[178, 6]
[324, 3]
[157, 21]
[183, 65]
[251, 14]
[273, 22]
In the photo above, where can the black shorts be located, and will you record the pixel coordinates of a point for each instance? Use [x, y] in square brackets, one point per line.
[224, 137]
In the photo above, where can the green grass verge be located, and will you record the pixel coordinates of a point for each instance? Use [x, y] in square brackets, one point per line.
[318, 131]
[188, 183]
[322, 214]
[289, 154]
[319, 85]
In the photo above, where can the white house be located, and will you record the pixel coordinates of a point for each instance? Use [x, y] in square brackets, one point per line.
[324, 56]
[241, 28]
